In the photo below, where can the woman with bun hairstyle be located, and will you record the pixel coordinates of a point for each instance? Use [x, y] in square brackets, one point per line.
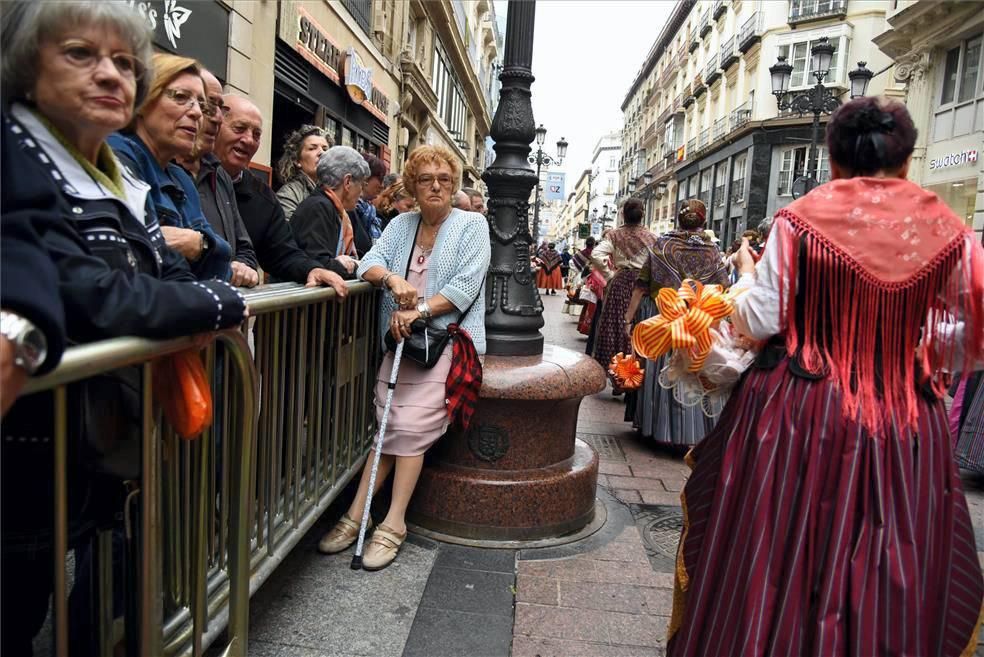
[825, 513]
[678, 255]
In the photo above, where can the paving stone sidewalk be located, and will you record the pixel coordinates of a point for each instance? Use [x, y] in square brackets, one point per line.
[609, 595]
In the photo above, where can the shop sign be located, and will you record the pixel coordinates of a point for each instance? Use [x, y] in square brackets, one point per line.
[583, 231]
[954, 159]
[310, 38]
[189, 28]
[358, 78]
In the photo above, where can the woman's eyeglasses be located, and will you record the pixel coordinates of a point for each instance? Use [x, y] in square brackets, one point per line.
[86, 57]
[184, 98]
[427, 180]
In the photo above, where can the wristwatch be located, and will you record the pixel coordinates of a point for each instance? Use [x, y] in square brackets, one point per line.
[30, 345]
[424, 309]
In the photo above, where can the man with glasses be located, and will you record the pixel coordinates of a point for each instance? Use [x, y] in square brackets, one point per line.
[215, 188]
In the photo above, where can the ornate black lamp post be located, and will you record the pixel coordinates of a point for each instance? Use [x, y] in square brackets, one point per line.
[819, 100]
[542, 159]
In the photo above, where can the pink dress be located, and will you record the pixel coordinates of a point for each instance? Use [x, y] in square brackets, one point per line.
[418, 415]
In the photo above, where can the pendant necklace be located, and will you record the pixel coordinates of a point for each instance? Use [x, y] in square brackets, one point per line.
[424, 253]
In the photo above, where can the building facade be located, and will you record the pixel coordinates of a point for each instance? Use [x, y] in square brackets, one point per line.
[382, 76]
[605, 170]
[939, 74]
[706, 118]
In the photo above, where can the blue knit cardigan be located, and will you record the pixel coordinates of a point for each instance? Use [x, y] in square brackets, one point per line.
[456, 269]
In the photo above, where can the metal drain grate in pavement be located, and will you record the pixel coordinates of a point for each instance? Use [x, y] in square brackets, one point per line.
[661, 526]
[605, 444]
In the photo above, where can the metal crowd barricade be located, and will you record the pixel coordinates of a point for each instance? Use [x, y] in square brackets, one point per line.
[293, 422]
[317, 360]
[171, 499]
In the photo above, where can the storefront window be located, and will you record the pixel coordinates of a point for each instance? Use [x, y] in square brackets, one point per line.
[738, 178]
[795, 162]
[960, 195]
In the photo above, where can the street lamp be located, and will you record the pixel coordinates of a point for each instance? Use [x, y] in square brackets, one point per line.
[540, 159]
[819, 100]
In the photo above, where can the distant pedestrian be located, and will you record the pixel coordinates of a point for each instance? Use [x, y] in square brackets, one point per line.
[477, 200]
[548, 274]
[394, 201]
[365, 211]
[628, 246]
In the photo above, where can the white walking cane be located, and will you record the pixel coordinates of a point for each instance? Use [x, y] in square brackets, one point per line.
[391, 387]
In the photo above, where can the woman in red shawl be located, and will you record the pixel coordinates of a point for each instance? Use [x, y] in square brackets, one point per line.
[548, 275]
[825, 514]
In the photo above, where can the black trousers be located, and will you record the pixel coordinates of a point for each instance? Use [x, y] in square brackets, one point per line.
[27, 583]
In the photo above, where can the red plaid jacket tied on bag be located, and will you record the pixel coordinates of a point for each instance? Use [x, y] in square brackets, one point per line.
[464, 379]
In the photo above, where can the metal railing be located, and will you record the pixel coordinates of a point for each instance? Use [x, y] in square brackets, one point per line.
[741, 115]
[705, 138]
[711, 71]
[720, 8]
[751, 32]
[728, 53]
[720, 128]
[691, 147]
[801, 11]
[705, 23]
[292, 424]
[184, 517]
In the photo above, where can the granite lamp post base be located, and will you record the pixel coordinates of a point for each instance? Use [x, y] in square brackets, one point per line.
[519, 473]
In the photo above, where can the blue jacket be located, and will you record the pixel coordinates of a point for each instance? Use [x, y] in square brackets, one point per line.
[174, 197]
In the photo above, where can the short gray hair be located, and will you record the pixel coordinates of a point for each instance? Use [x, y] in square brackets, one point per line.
[25, 23]
[338, 162]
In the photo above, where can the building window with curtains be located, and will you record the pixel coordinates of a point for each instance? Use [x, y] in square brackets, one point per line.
[450, 99]
[798, 56]
[720, 175]
[795, 162]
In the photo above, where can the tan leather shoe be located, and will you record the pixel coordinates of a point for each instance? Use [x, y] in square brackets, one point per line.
[342, 535]
[382, 548]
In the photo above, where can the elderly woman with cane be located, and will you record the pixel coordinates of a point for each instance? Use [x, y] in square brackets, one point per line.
[432, 263]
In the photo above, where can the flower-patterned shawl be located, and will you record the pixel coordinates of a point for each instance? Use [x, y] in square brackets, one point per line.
[882, 269]
[632, 240]
[681, 254]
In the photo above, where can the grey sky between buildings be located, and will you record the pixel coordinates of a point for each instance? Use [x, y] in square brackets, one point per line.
[585, 55]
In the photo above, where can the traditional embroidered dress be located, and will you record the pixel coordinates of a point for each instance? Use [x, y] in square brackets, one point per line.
[628, 247]
[548, 276]
[825, 514]
[652, 409]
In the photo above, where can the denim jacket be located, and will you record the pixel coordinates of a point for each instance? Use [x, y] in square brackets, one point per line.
[175, 199]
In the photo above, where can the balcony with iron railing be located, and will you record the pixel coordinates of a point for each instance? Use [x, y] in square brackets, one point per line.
[719, 196]
[705, 24]
[720, 9]
[699, 87]
[688, 96]
[705, 138]
[720, 128]
[729, 54]
[751, 32]
[804, 11]
[693, 39]
[678, 104]
[691, 147]
[650, 133]
[741, 115]
[665, 114]
[711, 71]
[361, 11]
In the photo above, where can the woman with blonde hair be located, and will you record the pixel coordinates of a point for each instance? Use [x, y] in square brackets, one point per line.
[165, 127]
[298, 166]
[432, 263]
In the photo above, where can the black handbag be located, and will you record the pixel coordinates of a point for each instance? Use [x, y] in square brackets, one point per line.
[426, 343]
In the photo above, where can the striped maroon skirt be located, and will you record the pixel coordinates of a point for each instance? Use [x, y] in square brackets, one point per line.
[805, 535]
[611, 337]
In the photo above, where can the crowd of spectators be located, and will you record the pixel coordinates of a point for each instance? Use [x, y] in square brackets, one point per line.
[130, 208]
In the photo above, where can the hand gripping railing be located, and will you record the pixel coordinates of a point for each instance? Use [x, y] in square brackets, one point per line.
[172, 470]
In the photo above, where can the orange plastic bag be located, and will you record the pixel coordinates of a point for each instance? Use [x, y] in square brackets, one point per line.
[181, 388]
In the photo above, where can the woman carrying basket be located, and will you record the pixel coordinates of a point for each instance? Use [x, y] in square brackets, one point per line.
[432, 264]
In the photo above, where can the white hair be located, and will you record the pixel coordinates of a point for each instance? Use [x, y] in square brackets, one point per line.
[338, 162]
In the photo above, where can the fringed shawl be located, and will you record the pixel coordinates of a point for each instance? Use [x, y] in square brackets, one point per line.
[884, 269]
[550, 259]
